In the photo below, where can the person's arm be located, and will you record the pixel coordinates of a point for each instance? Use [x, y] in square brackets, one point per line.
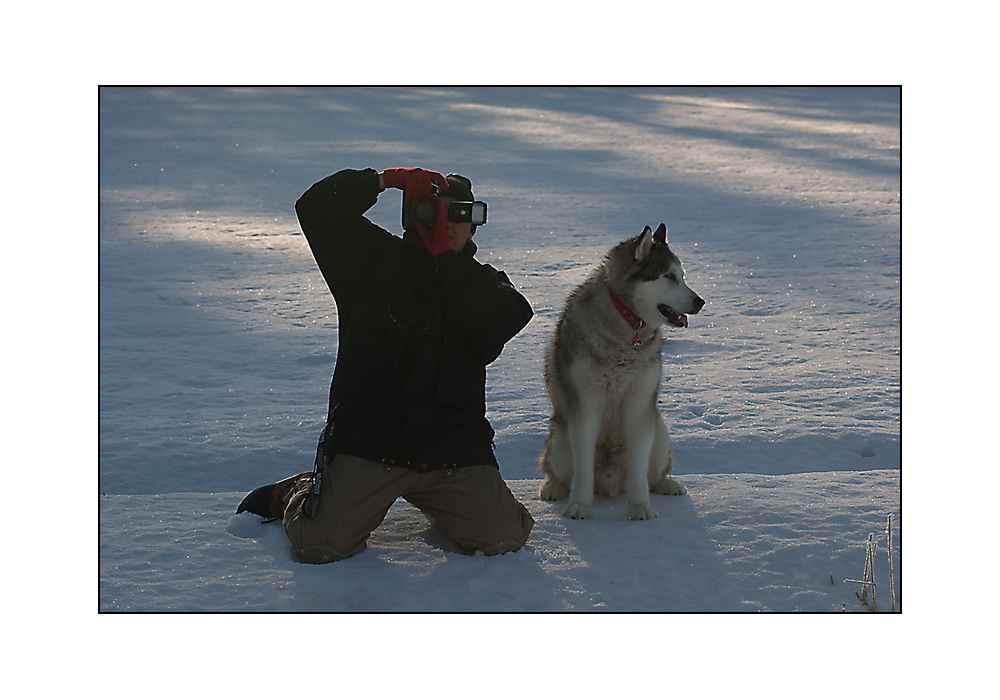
[484, 303]
[345, 244]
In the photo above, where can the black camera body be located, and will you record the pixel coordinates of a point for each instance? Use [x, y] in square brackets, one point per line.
[425, 211]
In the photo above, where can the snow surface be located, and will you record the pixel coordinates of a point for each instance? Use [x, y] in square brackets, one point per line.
[218, 338]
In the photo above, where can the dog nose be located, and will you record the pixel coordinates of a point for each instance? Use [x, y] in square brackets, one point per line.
[698, 304]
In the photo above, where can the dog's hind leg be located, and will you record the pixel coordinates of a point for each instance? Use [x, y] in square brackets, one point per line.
[556, 462]
[668, 487]
[661, 460]
[552, 489]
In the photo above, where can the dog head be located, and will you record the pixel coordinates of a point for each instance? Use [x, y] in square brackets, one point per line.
[656, 278]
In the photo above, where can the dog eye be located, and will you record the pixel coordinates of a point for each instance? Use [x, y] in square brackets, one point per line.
[672, 277]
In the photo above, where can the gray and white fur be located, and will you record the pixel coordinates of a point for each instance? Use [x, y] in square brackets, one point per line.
[606, 435]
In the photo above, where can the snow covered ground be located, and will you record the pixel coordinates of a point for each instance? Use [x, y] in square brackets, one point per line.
[740, 542]
[218, 338]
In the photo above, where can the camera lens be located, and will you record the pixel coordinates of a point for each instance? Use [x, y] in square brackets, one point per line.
[424, 211]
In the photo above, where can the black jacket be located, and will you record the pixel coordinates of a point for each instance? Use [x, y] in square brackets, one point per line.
[416, 334]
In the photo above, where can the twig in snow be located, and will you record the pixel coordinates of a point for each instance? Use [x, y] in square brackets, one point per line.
[869, 575]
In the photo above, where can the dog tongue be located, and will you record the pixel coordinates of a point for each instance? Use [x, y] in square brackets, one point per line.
[672, 316]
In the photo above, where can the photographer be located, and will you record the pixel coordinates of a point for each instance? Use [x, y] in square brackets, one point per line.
[420, 319]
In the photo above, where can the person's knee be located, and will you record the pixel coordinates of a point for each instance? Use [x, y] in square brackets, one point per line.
[504, 547]
[317, 541]
[501, 537]
[320, 548]
[319, 555]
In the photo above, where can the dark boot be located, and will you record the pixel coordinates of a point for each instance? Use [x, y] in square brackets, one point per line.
[269, 501]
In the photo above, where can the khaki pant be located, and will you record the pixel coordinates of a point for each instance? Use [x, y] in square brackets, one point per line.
[473, 504]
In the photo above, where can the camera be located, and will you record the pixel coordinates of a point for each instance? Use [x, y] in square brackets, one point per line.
[471, 212]
[425, 211]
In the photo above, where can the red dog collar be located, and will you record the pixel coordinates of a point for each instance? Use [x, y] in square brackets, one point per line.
[630, 316]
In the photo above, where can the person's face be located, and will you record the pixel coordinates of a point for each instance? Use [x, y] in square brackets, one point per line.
[461, 233]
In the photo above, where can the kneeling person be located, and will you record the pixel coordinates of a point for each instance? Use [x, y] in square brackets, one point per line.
[420, 319]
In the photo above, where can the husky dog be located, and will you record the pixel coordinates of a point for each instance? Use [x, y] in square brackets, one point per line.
[602, 373]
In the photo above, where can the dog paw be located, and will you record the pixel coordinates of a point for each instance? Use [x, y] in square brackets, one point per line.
[553, 490]
[641, 511]
[578, 511]
[669, 487]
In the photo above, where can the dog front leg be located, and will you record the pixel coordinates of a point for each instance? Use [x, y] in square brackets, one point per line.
[583, 442]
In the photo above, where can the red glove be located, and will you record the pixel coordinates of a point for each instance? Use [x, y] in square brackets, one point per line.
[437, 236]
[415, 182]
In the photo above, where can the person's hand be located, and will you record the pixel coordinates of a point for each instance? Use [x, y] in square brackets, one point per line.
[416, 183]
[436, 236]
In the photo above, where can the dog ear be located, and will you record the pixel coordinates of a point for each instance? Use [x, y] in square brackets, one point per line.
[661, 234]
[645, 244]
